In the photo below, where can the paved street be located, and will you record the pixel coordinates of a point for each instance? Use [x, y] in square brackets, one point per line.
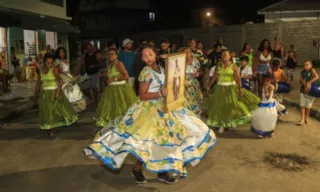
[30, 162]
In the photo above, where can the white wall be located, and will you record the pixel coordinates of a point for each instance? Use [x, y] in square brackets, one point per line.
[29, 42]
[3, 39]
[51, 39]
[36, 6]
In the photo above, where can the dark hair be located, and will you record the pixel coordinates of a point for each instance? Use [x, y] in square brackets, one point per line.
[111, 43]
[261, 46]
[12, 48]
[154, 49]
[47, 56]
[58, 52]
[308, 61]
[164, 41]
[244, 46]
[115, 50]
[225, 50]
[244, 58]
[217, 45]
[267, 75]
[194, 39]
[276, 62]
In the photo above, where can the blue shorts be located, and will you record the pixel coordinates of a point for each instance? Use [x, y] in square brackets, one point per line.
[263, 68]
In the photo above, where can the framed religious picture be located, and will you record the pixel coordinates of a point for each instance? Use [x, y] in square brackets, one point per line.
[175, 66]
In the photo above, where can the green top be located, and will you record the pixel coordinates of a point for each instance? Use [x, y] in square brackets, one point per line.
[225, 74]
[250, 56]
[48, 80]
[113, 71]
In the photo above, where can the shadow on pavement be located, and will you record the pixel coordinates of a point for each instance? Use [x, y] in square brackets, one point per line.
[74, 132]
[237, 134]
[72, 178]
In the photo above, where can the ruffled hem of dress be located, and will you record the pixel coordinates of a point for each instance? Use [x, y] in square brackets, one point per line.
[262, 133]
[232, 123]
[211, 141]
[66, 123]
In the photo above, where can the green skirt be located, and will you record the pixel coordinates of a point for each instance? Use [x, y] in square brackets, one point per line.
[114, 102]
[53, 112]
[228, 109]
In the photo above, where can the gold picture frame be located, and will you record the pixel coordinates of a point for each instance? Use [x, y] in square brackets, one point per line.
[175, 66]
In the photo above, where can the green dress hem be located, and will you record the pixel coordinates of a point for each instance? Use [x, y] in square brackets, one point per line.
[68, 122]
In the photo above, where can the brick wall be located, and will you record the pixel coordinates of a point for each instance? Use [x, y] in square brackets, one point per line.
[301, 34]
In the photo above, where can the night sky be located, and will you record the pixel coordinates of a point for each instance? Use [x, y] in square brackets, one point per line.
[234, 11]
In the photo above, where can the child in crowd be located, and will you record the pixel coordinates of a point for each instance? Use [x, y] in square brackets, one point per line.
[291, 66]
[307, 76]
[264, 119]
[235, 59]
[245, 71]
[278, 76]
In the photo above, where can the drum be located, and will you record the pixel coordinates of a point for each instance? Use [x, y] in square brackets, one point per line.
[315, 90]
[283, 87]
[246, 84]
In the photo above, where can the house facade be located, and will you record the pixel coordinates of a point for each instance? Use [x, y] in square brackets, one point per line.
[29, 26]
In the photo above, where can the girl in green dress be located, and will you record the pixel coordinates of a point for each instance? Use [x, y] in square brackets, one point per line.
[229, 104]
[118, 96]
[55, 109]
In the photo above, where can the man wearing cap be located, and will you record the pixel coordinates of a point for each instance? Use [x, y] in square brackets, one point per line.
[127, 57]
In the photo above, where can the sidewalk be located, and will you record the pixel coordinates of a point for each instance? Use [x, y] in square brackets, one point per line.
[16, 101]
[293, 98]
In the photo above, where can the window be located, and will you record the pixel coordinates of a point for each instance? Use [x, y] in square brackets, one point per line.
[54, 2]
[152, 17]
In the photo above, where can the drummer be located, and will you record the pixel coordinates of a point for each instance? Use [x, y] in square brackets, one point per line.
[307, 76]
[278, 76]
[245, 70]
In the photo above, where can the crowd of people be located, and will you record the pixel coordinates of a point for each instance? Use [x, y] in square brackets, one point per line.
[130, 108]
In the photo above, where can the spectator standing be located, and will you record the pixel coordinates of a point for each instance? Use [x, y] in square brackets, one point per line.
[91, 67]
[127, 57]
[16, 64]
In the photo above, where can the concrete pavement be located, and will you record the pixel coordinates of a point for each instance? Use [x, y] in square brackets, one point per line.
[30, 162]
[18, 100]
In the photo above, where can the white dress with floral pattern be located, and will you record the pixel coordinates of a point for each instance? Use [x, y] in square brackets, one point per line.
[163, 142]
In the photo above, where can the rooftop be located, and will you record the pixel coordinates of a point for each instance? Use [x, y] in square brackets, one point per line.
[292, 6]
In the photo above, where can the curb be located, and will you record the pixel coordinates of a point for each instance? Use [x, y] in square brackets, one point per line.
[315, 113]
[17, 111]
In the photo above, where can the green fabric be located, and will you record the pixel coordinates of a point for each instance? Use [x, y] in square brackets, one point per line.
[227, 109]
[115, 101]
[48, 80]
[113, 71]
[250, 56]
[55, 113]
[225, 74]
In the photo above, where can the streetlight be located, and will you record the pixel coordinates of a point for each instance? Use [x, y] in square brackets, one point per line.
[208, 15]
